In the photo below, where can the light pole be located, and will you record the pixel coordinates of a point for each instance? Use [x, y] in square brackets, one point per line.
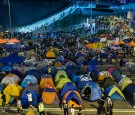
[9, 12]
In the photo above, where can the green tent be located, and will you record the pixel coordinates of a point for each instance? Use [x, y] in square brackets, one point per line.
[124, 82]
[61, 83]
[60, 74]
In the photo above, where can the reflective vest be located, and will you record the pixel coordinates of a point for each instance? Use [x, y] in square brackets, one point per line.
[41, 107]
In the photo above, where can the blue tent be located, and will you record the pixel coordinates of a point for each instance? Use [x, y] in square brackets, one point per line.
[59, 58]
[93, 69]
[74, 77]
[79, 54]
[2, 86]
[94, 62]
[29, 79]
[102, 55]
[114, 93]
[113, 55]
[13, 58]
[91, 91]
[71, 69]
[35, 73]
[69, 86]
[82, 80]
[18, 73]
[7, 67]
[129, 93]
[24, 98]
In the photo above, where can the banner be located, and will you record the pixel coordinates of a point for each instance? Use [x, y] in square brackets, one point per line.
[103, 39]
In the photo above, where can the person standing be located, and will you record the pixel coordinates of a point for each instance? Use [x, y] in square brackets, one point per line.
[80, 111]
[19, 106]
[65, 107]
[72, 110]
[109, 105]
[41, 108]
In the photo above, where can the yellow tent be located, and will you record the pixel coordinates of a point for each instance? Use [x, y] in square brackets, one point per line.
[30, 112]
[50, 54]
[104, 74]
[12, 90]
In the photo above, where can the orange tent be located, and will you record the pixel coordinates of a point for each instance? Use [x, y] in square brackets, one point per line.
[120, 42]
[14, 40]
[89, 46]
[132, 43]
[3, 41]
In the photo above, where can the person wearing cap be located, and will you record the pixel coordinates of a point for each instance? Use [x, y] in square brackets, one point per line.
[41, 108]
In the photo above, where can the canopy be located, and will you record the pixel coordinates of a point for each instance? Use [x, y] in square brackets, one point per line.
[14, 40]
[3, 41]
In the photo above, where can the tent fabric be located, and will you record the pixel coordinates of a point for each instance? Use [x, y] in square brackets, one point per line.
[6, 68]
[79, 54]
[116, 73]
[2, 86]
[93, 69]
[93, 94]
[49, 96]
[118, 78]
[111, 69]
[114, 93]
[69, 96]
[3, 41]
[50, 54]
[59, 75]
[124, 82]
[29, 79]
[69, 86]
[61, 83]
[12, 90]
[13, 58]
[18, 73]
[24, 98]
[57, 64]
[46, 80]
[89, 46]
[132, 43]
[104, 74]
[34, 87]
[59, 58]
[35, 73]
[36, 56]
[14, 40]
[129, 91]
[10, 79]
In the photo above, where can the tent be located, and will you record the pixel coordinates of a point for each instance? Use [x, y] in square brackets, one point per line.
[57, 64]
[124, 82]
[12, 90]
[111, 69]
[13, 58]
[35, 73]
[116, 73]
[79, 54]
[61, 83]
[29, 79]
[89, 46]
[129, 91]
[45, 81]
[35, 97]
[93, 69]
[14, 40]
[18, 73]
[114, 93]
[59, 58]
[132, 43]
[91, 91]
[36, 56]
[3, 41]
[82, 80]
[6, 68]
[2, 86]
[10, 79]
[73, 97]
[104, 74]
[60, 74]
[50, 54]
[69, 86]
[50, 96]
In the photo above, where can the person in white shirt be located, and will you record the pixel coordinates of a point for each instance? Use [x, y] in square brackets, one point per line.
[72, 110]
[30, 99]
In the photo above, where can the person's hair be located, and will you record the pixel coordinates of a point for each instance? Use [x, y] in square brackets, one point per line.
[80, 109]
[72, 105]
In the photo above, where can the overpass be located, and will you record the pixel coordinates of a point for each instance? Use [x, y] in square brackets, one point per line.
[69, 10]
